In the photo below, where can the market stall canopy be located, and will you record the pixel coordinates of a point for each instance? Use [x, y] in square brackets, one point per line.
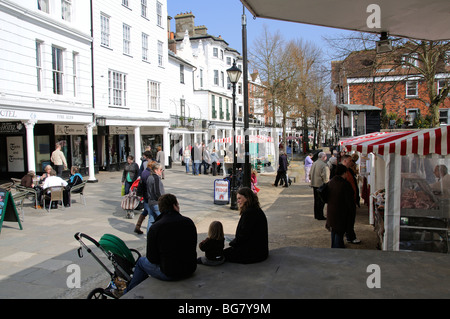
[421, 142]
[417, 19]
[241, 139]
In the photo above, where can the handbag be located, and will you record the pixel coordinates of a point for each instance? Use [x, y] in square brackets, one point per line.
[323, 192]
[122, 193]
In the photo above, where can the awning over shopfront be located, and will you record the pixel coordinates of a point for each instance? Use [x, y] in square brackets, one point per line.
[421, 142]
[404, 18]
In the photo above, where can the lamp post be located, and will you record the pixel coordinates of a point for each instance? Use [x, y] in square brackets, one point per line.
[234, 73]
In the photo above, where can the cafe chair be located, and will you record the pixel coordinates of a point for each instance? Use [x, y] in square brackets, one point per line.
[54, 194]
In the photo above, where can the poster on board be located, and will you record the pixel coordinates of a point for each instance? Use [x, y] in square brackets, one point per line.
[221, 192]
[8, 211]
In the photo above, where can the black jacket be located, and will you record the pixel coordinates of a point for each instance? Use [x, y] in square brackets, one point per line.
[340, 204]
[251, 243]
[172, 244]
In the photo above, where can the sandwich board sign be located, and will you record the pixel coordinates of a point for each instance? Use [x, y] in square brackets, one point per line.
[221, 192]
[8, 210]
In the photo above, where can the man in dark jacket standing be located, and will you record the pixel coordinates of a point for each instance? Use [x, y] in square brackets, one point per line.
[340, 207]
[171, 246]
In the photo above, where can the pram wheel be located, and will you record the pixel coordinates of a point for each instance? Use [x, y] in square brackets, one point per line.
[130, 214]
[97, 293]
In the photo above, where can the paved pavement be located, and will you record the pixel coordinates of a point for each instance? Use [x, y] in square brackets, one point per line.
[38, 261]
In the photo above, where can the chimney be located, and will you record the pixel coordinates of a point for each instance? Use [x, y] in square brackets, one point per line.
[183, 22]
[201, 30]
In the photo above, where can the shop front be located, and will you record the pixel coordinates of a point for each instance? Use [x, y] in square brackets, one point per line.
[12, 160]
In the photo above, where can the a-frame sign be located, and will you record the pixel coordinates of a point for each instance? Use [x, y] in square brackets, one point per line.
[8, 210]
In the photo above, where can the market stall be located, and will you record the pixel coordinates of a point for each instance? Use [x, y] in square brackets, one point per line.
[262, 151]
[409, 187]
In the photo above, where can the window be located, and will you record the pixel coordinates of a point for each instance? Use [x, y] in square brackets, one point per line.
[443, 116]
[117, 88]
[182, 73]
[228, 60]
[66, 10]
[221, 55]
[159, 21]
[57, 70]
[126, 39]
[201, 78]
[144, 8]
[409, 60]
[411, 88]
[441, 84]
[220, 108]
[104, 21]
[144, 47]
[182, 107]
[213, 106]
[160, 54]
[222, 79]
[39, 65]
[153, 95]
[75, 56]
[125, 3]
[43, 6]
[215, 52]
[216, 77]
[228, 109]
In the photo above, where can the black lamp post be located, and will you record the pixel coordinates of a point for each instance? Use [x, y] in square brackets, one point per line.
[234, 73]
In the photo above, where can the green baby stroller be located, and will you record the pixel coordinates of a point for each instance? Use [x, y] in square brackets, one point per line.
[122, 259]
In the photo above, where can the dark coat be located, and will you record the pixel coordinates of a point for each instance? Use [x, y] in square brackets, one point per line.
[251, 243]
[283, 163]
[340, 204]
[172, 244]
[213, 248]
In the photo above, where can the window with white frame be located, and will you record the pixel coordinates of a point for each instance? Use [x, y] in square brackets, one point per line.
[228, 60]
[441, 84]
[412, 89]
[39, 45]
[66, 10]
[443, 116]
[222, 79]
[43, 6]
[126, 39]
[153, 95]
[412, 114]
[215, 52]
[201, 78]
[125, 3]
[216, 77]
[160, 53]
[159, 20]
[144, 47]
[104, 27]
[117, 88]
[181, 73]
[144, 8]
[75, 57]
[57, 70]
[409, 60]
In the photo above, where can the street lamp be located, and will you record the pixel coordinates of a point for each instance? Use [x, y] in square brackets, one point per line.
[234, 73]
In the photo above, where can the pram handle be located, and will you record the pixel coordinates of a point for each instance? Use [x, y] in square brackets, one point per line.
[79, 235]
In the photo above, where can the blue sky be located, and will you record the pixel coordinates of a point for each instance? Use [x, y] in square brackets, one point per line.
[224, 18]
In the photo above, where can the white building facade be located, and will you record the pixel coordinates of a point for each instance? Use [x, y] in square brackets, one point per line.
[130, 78]
[45, 84]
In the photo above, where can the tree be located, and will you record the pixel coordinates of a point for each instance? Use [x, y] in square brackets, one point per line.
[410, 58]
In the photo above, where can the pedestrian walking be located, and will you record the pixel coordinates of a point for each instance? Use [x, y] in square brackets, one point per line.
[161, 159]
[130, 173]
[187, 158]
[308, 164]
[59, 160]
[214, 161]
[350, 176]
[155, 189]
[282, 169]
[319, 175]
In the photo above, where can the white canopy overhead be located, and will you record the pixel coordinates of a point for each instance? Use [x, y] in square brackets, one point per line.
[417, 19]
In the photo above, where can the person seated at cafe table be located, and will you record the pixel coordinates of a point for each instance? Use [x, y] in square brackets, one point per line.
[29, 181]
[46, 174]
[75, 179]
[52, 181]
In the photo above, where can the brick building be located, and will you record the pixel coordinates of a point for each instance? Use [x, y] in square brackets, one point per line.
[390, 80]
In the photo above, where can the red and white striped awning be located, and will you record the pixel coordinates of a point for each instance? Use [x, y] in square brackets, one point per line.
[241, 139]
[422, 142]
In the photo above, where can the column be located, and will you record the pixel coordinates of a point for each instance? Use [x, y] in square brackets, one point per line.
[166, 144]
[29, 125]
[137, 144]
[90, 137]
